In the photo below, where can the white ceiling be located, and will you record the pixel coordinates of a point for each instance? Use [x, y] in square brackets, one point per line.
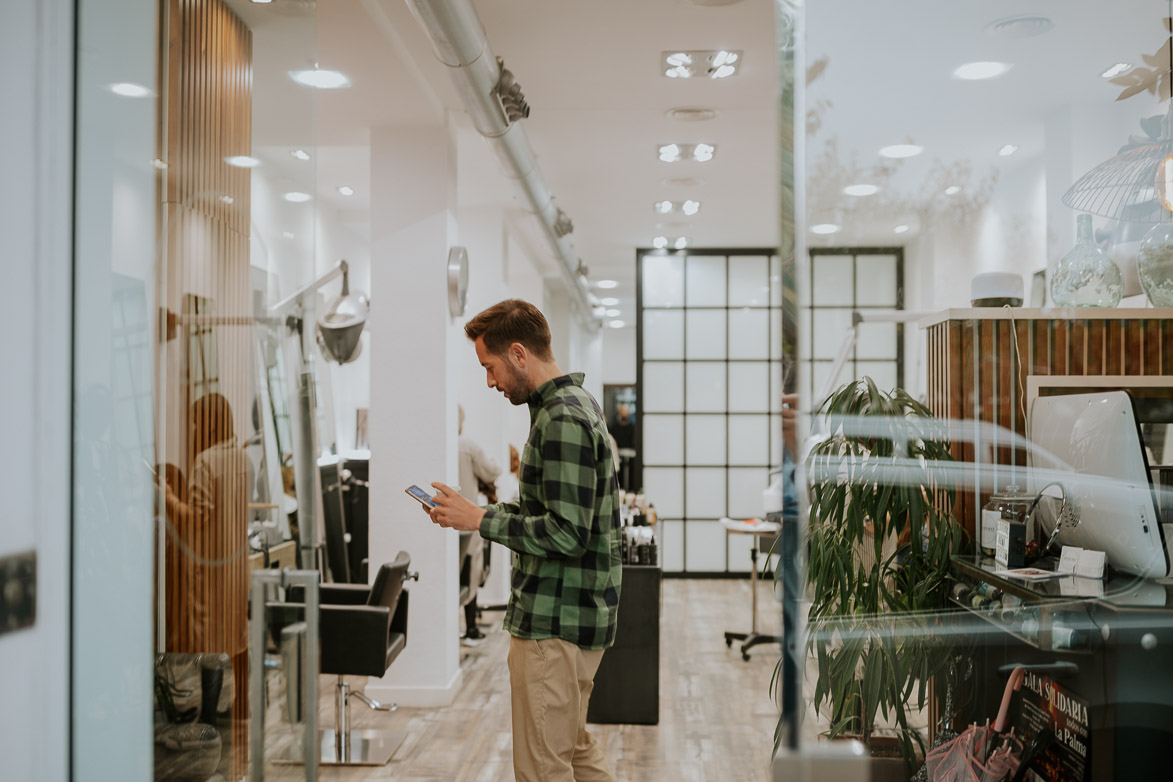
[887, 78]
[590, 73]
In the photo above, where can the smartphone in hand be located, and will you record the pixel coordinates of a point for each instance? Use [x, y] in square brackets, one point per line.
[422, 496]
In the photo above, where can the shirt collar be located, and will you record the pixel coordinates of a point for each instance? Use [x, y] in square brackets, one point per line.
[545, 392]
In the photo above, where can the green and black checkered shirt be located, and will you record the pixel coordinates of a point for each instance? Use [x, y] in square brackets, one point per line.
[564, 530]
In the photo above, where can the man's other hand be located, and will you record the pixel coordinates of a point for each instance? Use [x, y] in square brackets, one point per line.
[454, 511]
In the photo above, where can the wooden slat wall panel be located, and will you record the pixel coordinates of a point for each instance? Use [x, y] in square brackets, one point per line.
[204, 211]
[968, 387]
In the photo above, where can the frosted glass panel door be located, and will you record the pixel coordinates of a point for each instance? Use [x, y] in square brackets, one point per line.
[845, 281]
[709, 343]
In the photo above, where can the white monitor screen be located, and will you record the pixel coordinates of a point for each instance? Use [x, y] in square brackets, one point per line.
[1100, 461]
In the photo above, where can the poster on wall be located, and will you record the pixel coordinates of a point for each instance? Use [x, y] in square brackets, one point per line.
[1047, 705]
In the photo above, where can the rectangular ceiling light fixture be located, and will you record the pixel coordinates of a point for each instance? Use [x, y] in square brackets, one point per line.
[717, 64]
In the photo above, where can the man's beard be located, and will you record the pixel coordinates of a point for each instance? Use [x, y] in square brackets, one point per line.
[517, 386]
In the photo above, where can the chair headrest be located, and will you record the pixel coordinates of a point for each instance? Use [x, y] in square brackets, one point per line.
[388, 584]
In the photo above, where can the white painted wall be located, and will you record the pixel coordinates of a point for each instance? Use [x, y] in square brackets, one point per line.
[619, 355]
[416, 352]
[36, 39]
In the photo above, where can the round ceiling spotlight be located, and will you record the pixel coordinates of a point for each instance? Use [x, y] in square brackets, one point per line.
[977, 71]
[691, 114]
[861, 190]
[1014, 27]
[898, 151]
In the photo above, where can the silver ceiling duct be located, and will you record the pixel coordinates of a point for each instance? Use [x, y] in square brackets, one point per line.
[494, 101]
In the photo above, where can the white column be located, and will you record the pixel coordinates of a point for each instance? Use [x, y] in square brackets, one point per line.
[482, 230]
[415, 346]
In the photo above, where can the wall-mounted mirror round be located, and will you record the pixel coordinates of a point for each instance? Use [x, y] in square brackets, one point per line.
[457, 281]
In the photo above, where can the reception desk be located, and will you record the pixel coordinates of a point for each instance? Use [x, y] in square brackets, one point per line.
[1099, 660]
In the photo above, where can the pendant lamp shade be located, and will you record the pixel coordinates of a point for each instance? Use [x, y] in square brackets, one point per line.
[1124, 187]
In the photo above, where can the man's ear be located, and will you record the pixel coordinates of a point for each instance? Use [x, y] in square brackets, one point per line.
[519, 353]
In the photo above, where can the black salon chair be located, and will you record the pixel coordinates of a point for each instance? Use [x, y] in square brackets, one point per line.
[362, 629]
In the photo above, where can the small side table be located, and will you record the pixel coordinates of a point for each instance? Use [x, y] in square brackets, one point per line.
[759, 530]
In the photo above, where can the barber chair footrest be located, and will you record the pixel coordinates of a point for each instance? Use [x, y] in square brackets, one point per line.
[367, 748]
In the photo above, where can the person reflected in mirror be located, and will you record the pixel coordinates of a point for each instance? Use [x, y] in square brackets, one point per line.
[478, 474]
[564, 596]
[210, 527]
[789, 455]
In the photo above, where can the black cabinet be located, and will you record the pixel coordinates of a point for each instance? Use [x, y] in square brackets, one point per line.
[627, 685]
[1102, 657]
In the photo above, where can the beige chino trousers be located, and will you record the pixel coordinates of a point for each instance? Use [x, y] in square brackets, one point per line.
[550, 683]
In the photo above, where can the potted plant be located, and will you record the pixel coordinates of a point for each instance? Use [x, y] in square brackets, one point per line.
[881, 533]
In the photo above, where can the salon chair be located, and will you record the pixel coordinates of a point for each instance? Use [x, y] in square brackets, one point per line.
[362, 630]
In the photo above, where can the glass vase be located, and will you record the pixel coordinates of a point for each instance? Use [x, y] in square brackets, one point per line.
[1154, 265]
[1085, 277]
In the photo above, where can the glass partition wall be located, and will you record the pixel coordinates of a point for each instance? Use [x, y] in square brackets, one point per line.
[970, 148]
[197, 410]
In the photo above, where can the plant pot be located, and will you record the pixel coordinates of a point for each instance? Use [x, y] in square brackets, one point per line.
[887, 764]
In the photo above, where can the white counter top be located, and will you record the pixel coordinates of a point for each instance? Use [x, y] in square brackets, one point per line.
[1047, 313]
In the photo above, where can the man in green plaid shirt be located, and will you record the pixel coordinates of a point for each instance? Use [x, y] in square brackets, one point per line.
[564, 532]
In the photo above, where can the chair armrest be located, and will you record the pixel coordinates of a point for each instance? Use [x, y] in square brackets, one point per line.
[334, 594]
[399, 620]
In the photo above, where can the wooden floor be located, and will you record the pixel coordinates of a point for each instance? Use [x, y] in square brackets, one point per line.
[716, 716]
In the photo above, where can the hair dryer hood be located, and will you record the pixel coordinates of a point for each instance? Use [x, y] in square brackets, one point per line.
[340, 327]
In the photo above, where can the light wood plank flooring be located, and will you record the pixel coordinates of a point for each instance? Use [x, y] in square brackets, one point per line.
[716, 715]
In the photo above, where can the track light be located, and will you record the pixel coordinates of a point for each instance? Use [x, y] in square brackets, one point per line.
[508, 92]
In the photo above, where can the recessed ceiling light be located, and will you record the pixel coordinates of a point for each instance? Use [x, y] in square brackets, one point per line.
[690, 207]
[613, 313]
[660, 242]
[616, 324]
[321, 79]
[346, 190]
[900, 229]
[227, 199]
[610, 301]
[702, 152]
[681, 242]
[242, 161]
[718, 64]
[300, 154]
[972, 71]
[262, 2]
[129, 89]
[1119, 69]
[691, 114]
[901, 150]
[952, 190]
[607, 284]
[664, 207]
[861, 190]
[825, 228]
[159, 164]
[297, 198]
[1008, 150]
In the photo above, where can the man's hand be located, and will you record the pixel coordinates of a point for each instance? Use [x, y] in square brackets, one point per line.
[453, 510]
[790, 423]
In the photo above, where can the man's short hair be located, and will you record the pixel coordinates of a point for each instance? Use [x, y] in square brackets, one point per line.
[509, 321]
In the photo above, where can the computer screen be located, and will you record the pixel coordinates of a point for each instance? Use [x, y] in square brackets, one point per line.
[1091, 444]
